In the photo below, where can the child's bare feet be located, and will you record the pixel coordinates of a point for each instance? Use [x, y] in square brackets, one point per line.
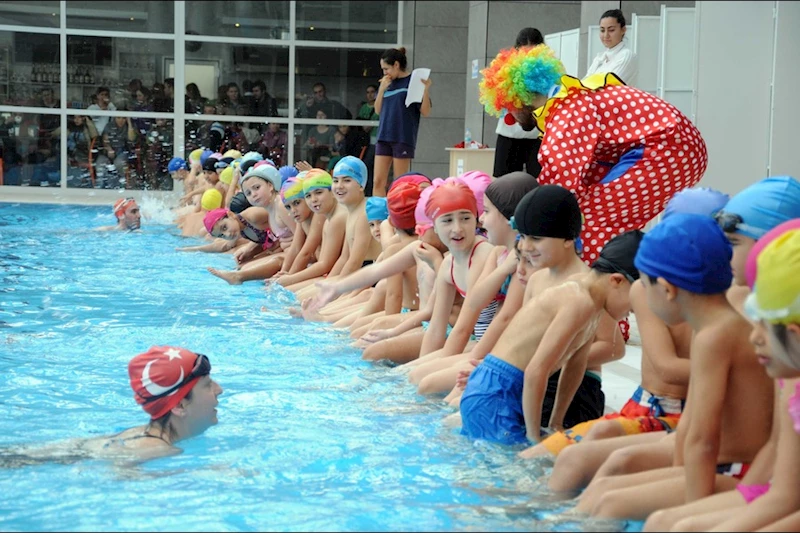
[231, 276]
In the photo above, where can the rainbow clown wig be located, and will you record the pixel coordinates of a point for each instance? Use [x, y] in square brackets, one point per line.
[517, 74]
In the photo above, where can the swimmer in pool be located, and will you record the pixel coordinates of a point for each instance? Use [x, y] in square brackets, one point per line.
[129, 216]
[173, 385]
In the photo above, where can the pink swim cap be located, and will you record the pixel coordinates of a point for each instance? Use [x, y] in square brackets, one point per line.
[214, 216]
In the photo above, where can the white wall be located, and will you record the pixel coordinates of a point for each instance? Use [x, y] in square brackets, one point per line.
[733, 108]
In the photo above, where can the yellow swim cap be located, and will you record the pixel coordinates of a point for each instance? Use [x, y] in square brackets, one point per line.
[236, 154]
[212, 199]
[226, 176]
[195, 155]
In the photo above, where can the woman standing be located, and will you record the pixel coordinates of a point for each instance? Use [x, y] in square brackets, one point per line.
[516, 147]
[397, 132]
[618, 56]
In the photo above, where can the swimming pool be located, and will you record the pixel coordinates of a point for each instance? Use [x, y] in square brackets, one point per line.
[310, 437]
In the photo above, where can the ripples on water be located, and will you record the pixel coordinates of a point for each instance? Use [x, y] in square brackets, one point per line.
[310, 437]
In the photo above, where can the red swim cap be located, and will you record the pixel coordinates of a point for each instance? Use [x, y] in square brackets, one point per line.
[156, 372]
[402, 200]
[214, 216]
[450, 195]
[121, 205]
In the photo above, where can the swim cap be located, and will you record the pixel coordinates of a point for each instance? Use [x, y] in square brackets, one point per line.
[287, 171]
[265, 162]
[413, 177]
[618, 255]
[196, 154]
[450, 195]
[219, 129]
[266, 172]
[690, 251]
[762, 206]
[351, 167]
[214, 216]
[506, 191]
[316, 179]
[224, 162]
[163, 375]
[176, 164]
[477, 181]
[235, 154]
[121, 205]
[777, 292]
[423, 221]
[212, 199]
[226, 176]
[239, 203]
[292, 189]
[216, 155]
[205, 154]
[210, 164]
[246, 165]
[254, 156]
[751, 266]
[548, 211]
[402, 200]
[700, 200]
[377, 208]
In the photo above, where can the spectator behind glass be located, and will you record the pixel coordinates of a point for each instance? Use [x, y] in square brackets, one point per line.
[104, 103]
[45, 158]
[320, 102]
[159, 151]
[273, 143]
[142, 103]
[618, 56]
[81, 134]
[195, 101]
[112, 159]
[319, 143]
[159, 98]
[517, 148]
[367, 112]
[262, 103]
[232, 103]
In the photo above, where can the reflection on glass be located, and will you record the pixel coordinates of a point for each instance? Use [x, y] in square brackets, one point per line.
[30, 145]
[43, 14]
[322, 146]
[253, 81]
[359, 22]
[127, 153]
[259, 20]
[217, 135]
[29, 66]
[134, 16]
[131, 70]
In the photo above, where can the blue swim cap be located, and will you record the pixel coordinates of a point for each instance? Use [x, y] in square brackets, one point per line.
[287, 171]
[764, 205]
[176, 164]
[351, 167]
[688, 250]
[377, 208]
[204, 156]
[700, 201]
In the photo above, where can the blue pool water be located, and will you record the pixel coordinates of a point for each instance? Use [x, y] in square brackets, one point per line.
[309, 436]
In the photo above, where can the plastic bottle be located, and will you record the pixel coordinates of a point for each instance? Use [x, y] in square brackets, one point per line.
[467, 138]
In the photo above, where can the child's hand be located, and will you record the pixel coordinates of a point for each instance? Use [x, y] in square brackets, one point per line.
[239, 256]
[326, 293]
[463, 375]
[377, 335]
[197, 167]
[427, 253]
[426, 83]
[509, 266]
[302, 166]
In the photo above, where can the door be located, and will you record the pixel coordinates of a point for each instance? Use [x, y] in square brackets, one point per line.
[677, 58]
[645, 37]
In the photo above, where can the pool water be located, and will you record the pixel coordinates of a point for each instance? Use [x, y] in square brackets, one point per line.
[310, 437]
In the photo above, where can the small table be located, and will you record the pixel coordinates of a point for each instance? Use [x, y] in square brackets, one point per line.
[466, 159]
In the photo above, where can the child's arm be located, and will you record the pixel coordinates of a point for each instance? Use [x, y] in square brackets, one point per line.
[312, 241]
[445, 296]
[657, 344]
[558, 336]
[298, 240]
[763, 465]
[568, 383]
[217, 245]
[783, 497]
[393, 301]
[361, 242]
[338, 266]
[608, 344]
[710, 368]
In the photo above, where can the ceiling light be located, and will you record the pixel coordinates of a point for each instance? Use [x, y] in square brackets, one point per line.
[311, 28]
[237, 24]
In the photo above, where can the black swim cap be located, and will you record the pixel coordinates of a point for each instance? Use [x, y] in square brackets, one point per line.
[506, 191]
[618, 254]
[245, 165]
[239, 203]
[549, 211]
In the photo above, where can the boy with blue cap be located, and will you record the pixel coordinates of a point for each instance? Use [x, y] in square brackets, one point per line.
[377, 211]
[685, 267]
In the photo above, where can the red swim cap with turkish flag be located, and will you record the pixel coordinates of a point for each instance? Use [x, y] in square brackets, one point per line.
[158, 371]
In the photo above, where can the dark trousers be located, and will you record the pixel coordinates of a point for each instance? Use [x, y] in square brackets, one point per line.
[511, 155]
[588, 404]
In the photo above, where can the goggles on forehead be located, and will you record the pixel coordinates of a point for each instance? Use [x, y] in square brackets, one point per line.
[615, 267]
[773, 316]
[731, 223]
[202, 367]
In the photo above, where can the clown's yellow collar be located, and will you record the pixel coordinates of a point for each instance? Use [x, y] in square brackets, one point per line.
[589, 83]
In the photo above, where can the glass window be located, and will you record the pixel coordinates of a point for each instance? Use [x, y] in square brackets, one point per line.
[259, 20]
[29, 145]
[42, 14]
[357, 22]
[238, 79]
[216, 134]
[136, 16]
[29, 69]
[131, 69]
[129, 153]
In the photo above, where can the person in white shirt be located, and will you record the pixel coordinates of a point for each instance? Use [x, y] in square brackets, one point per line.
[618, 56]
[517, 148]
[103, 103]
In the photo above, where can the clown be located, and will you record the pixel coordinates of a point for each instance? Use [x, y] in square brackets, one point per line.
[129, 217]
[623, 152]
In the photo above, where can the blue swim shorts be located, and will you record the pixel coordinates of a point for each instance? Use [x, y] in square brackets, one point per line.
[491, 406]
